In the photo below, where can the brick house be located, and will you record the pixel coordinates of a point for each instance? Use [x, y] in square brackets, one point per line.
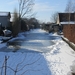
[67, 20]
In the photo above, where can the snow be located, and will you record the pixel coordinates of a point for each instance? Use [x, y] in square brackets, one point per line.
[71, 22]
[0, 39]
[4, 13]
[20, 36]
[56, 57]
[60, 59]
[38, 31]
[2, 45]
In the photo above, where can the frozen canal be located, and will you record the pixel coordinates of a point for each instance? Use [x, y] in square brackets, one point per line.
[35, 41]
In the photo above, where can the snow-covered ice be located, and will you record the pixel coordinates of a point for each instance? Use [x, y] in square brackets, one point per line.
[2, 45]
[56, 61]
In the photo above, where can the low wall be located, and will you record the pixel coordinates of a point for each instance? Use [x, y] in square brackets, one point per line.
[69, 43]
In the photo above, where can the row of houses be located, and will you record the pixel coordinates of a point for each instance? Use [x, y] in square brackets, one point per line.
[6, 21]
[65, 20]
[66, 24]
[52, 27]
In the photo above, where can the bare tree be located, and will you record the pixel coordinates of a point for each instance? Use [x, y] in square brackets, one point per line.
[70, 7]
[54, 17]
[25, 7]
[19, 67]
[4, 66]
[73, 7]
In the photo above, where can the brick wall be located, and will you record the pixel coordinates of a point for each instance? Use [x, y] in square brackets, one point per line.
[69, 32]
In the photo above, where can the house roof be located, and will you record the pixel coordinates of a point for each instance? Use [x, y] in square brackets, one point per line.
[5, 14]
[65, 17]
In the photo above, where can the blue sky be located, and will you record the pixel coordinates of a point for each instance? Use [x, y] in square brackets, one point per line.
[43, 8]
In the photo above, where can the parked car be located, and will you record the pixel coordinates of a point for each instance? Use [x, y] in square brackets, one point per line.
[7, 32]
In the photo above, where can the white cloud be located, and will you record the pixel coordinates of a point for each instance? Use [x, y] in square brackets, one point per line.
[44, 7]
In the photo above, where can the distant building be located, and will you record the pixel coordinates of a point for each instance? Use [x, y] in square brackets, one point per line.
[4, 19]
[55, 27]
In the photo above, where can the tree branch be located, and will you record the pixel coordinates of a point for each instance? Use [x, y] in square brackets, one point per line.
[20, 62]
[25, 6]
[29, 64]
[30, 70]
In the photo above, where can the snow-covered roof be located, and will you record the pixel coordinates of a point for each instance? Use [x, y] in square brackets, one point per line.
[71, 22]
[4, 13]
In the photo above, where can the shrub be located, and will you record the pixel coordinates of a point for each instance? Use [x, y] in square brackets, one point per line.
[16, 24]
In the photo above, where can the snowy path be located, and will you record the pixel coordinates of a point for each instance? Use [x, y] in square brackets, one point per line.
[40, 54]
